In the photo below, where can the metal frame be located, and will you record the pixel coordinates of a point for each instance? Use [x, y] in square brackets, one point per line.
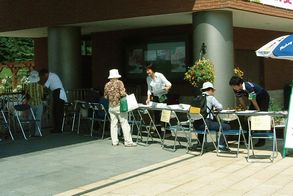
[264, 134]
[238, 132]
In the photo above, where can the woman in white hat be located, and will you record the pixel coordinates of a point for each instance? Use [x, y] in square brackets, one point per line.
[114, 90]
[34, 96]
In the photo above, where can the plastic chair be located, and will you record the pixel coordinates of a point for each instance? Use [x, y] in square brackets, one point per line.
[147, 125]
[100, 115]
[177, 127]
[262, 127]
[222, 118]
[19, 110]
[194, 115]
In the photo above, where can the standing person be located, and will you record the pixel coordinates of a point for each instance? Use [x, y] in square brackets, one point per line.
[114, 90]
[34, 93]
[212, 103]
[53, 82]
[158, 88]
[259, 98]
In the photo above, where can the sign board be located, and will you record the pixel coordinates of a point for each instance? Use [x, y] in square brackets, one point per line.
[289, 127]
[165, 116]
[286, 4]
[261, 123]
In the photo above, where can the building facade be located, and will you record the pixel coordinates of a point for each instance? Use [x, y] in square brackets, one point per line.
[82, 40]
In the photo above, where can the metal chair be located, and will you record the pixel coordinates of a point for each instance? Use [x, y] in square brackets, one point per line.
[178, 128]
[72, 114]
[5, 122]
[68, 115]
[19, 110]
[100, 115]
[223, 118]
[262, 127]
[194, 115]
[147, 126]
[133, 120]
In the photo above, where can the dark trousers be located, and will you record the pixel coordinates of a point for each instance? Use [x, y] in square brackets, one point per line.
[57, 110]
[157, 114]
[213, 125]
[263, 101]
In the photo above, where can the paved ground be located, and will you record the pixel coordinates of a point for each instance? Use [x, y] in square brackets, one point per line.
[68, 164]
[60, 162]
[199, 175]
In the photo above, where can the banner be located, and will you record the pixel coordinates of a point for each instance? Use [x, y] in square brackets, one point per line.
[286, 4]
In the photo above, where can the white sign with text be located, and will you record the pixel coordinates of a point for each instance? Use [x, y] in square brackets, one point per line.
[286, 4]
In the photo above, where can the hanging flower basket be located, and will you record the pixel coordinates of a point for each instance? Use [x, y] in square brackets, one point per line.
[202, 71]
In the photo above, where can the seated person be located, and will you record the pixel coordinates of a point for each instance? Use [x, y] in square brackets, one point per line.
[212, 123]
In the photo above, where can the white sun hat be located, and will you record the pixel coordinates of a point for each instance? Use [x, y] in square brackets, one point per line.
[207, 85]
[113, 73]
[34, 76]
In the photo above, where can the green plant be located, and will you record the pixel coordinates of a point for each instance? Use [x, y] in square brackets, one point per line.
[202, 71]
[276, 106]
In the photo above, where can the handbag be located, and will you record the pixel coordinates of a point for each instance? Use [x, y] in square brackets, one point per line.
[128, 103]
[131, 102]
[123, 104]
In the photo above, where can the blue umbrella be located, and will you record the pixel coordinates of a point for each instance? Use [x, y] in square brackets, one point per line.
[282, 48]
[279, 48]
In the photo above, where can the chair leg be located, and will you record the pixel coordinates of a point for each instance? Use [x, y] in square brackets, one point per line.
[7, 124]
[20, 125]
[203, 143]
[63, 121]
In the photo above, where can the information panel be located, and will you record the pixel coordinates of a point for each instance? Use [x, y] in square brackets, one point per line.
[289, 127]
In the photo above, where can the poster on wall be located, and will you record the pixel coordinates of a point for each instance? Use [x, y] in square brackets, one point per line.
[135, 61]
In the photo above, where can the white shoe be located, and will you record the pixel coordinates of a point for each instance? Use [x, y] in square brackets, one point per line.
[130, 145]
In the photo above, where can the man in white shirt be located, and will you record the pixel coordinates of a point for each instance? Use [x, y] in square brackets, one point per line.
[53, 82]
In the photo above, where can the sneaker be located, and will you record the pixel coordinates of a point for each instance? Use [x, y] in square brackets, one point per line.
[130, 145]
[224, 149]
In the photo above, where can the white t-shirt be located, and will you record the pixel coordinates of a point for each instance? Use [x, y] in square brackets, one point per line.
[54, 83]
[156, 85]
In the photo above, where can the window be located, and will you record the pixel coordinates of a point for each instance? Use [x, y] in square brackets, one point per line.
[169, 58]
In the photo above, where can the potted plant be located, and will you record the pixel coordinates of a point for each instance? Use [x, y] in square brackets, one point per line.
[202, 71]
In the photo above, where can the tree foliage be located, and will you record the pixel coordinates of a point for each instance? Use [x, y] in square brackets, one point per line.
[16, 49]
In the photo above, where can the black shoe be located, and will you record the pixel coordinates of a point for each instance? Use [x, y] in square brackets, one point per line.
[224, 149]
[260, 143]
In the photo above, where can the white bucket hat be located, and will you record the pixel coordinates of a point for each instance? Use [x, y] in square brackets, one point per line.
[34, 76]
[113, 73]
[207, 85]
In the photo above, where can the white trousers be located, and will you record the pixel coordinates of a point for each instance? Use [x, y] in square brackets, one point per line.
[122, 117]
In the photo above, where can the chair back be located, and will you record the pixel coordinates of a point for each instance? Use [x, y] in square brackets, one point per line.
[99, 110]
[194, 114]
[260, 123]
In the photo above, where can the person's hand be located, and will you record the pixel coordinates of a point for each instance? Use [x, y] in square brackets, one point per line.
[147, 101]
[166, 88]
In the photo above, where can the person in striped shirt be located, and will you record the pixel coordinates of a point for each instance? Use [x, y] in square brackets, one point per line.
[34, 96]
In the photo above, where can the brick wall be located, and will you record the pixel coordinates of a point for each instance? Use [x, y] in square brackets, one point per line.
[27, 14]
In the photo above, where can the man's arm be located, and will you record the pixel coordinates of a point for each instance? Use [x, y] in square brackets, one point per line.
[254, 102]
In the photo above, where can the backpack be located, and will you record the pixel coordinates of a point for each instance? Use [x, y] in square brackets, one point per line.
[200, 101]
